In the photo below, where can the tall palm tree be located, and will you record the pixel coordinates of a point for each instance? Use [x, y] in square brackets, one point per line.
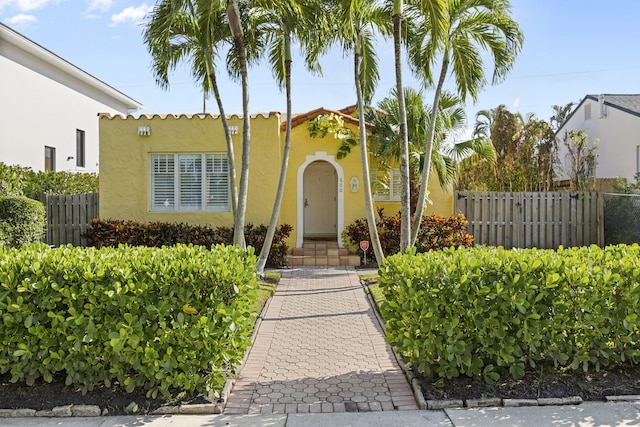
[235, 24]
[470, 26]
[181, 30]
[356, 23]
[283, 23]
[434, 9]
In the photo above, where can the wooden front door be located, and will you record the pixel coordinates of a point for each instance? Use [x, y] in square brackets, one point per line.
[320, 199]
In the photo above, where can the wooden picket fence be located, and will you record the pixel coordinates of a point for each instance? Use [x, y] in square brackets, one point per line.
[527, 220]
[68, 216]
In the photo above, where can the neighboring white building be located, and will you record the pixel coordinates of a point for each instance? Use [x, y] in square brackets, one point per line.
[615, 121]
[49, 108]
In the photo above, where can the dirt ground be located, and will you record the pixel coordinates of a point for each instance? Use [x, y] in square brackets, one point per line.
[49, 395]
[535, 384]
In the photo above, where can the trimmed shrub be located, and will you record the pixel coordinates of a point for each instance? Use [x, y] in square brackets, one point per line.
[490, 312]
[113, 232]
[164, 320]
[436, 232]
[23, 221]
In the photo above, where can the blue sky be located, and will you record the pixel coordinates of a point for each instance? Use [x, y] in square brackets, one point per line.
[572, 48]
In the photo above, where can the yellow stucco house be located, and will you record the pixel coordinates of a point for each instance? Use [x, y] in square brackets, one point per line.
[173, 168]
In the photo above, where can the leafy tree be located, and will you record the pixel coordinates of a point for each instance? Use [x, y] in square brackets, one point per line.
[284, 23]
[469, 27]
[581, 155]
[525, 152]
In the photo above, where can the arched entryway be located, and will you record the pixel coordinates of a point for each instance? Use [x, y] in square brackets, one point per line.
[320, 198]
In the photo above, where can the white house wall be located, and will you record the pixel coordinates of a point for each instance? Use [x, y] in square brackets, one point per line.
[44, 100]
[619, 137]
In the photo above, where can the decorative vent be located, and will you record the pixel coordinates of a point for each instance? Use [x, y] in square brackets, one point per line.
[144, 130]
[587, 112]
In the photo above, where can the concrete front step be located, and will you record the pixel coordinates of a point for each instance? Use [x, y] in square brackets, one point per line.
[321, 254]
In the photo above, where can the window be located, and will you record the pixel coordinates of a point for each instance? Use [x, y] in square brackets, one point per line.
[386, 188]
[79, 148]
[49, 158]
[189, 182]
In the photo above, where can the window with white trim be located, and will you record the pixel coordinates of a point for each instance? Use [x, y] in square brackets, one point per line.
[386, 188]
[189, 182]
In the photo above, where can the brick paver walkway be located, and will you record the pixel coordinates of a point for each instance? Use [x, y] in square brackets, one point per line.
[320, 349]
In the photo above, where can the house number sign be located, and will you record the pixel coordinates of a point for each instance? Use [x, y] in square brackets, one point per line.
[340, 185]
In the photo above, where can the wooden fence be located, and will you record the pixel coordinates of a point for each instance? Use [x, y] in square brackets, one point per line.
[527, 220]
[68, 216]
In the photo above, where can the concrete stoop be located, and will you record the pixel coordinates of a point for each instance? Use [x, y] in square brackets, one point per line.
[319, 253]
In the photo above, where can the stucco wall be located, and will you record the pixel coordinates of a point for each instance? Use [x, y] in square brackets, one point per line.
[124, 167]
[125, 176]
[618, 135]
[302, 145]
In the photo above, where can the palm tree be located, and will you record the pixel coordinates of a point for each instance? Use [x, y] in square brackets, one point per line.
[451, 120]
[235, 24]
[435, 10]
[181, 30]
[469, 27]
[560, 114]
[283, 23]
[356, 23]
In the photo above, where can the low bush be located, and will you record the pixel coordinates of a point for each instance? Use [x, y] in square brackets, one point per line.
[22, 221]
[113, 232]
[436, 232]
[23, 181]
[491, 312]
[160, 319]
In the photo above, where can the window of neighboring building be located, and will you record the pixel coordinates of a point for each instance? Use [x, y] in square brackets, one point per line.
[49, 158]
[587, 112]
[79, 148]
[386, 189]
[189, 182]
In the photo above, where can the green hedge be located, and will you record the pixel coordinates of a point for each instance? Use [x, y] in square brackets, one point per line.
[165, 320]
[490, 312]
[22, 221]
[113, 232]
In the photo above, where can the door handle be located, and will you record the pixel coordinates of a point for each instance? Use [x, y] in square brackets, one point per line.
[306, 203]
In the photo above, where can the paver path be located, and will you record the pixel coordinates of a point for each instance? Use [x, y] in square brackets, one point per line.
[319, 349]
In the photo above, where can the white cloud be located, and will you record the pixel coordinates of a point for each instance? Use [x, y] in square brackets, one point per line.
[22, 19]
[101, 5]
[516, 103]
[131, 14]
[27, 5]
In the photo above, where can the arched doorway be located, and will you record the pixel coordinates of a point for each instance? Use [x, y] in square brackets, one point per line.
[320, 193]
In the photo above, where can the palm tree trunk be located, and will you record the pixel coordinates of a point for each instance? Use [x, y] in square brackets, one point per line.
[233, 15]
[405, 195]
[426, 167]
[230, 151]
[366, 180]
[275, 212]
